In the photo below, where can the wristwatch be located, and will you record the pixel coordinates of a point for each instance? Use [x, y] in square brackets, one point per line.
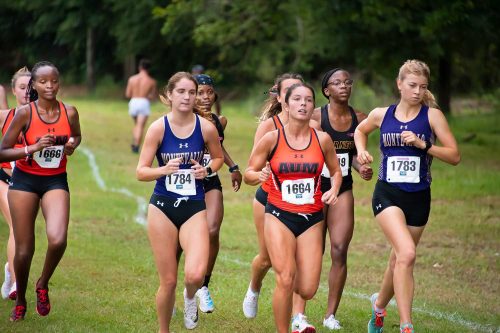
[428, 145]
[234, 168]
[209, 170]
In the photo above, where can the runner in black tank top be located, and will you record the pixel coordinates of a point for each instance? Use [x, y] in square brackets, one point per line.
[205, 99]
[339, 120]
[344, 147]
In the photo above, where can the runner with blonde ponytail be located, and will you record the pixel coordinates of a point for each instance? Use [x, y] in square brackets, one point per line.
[401, 201]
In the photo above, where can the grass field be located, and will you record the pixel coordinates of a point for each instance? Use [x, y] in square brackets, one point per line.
[106, 281]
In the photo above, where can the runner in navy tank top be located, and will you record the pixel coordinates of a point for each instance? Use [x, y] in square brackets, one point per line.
[339, 120]
[402, 198]
[176, 212]
[272, 117]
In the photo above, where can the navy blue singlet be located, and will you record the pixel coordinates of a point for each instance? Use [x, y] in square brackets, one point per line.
[405, 167]
[182, 183]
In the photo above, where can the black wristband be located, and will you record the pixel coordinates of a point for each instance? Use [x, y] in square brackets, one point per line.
[234, 168]
[428, 145]
[209, 170]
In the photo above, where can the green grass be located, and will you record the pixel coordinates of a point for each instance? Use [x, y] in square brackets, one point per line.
[106, 281]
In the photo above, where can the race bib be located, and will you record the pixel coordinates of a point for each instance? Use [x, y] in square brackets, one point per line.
[403, 169]
[344, 166]
[49, 157]
[298, 191]
[205, 162]
[182, 182]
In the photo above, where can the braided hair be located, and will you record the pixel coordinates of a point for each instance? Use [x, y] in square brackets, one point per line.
[31, 93]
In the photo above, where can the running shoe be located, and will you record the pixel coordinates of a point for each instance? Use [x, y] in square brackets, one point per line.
[18, 313]
[376, 323]
[190, 312]
[331, 323]
[7, 283]
[206, 303]
[251, 303]
[300, 324]
[42, 301]
[13, 292]
[406, 328]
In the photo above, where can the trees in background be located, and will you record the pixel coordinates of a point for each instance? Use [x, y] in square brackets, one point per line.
[252, 41]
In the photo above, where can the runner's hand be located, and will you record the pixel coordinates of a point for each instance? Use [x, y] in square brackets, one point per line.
[172, 166]
[70, 146]
[265, 173]
[366, 172]
[45, 141]
[200, 172]
[411, 139]
[364, 157]
[236, 180]
[330, 197]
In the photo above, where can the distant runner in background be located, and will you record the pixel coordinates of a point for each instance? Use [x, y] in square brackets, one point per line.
[141, 89]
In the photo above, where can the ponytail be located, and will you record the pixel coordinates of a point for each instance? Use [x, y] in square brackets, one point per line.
[272, 107]
[31, 93]
[429, 100]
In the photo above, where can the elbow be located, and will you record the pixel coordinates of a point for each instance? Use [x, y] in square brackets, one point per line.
[140, 175]
[456, 159]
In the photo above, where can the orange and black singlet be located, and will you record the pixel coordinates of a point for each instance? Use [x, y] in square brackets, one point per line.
[278, 125]
[296, 175]
[20, 139]
[51, 160]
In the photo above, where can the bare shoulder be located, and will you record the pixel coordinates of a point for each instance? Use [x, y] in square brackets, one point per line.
[266, 125]
[23, 110]
[316, 114]
[71, 109]
[157, 126]
[360, 115]
[315, 124]
[324, 138]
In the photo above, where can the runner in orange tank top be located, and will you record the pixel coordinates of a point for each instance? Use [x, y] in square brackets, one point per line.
[19, 84]
[294, 225]
[52, 132]
[271, 118]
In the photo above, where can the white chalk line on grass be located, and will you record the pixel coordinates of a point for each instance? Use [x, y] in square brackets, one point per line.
[141, 219]
[451, 317]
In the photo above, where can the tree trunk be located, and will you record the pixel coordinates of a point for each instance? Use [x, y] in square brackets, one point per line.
[90, 59]
[129, 66]
[444, 83]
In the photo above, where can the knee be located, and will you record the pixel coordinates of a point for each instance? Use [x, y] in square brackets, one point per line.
[406, 257]
[285, 280]
[194, 276]
[168, 283]
[262, 262]
[58, 242]
[338, 253]
[24, 251]
[308, 292]
[213, 233]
